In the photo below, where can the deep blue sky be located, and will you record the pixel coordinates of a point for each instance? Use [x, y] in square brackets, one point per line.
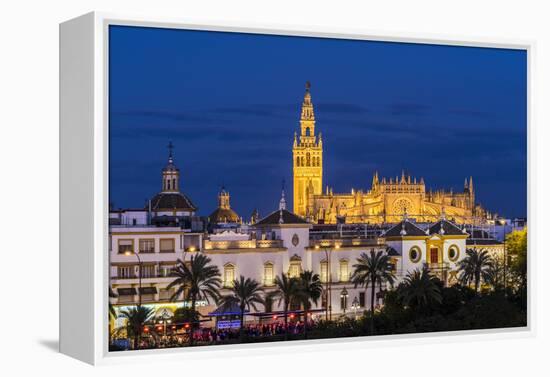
[230, 103]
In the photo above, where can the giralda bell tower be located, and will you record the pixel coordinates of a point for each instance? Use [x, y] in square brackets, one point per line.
[307, 153]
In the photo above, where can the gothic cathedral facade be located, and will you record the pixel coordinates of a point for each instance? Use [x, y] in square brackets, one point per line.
[387, 201]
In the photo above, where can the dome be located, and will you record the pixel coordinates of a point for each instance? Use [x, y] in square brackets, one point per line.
[224, 215]
[168, 201]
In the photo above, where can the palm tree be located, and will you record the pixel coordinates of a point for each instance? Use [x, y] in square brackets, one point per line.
[371, 269]
[286, 290]
[309, 290]
[474, 268]
[196, 280]
[496, 274]
[419, 288]
[136, 316]
[245, 293]
[112, 311]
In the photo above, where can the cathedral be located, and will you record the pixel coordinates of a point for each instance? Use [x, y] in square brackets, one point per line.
[387, 200]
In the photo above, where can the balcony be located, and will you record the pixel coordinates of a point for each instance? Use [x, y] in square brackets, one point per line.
[344, 242]
[242, 244]
[135, 276]
[437, 266]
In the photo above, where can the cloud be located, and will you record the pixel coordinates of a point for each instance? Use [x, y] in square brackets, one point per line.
[471, 113]
[408, 108]
[340, 108]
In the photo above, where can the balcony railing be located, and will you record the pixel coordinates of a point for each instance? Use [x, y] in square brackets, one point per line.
[437, 266]
[130, 277]
[345, 242]
[246, 244]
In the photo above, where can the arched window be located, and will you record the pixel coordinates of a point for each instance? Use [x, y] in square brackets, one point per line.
[295, 268]
[308, 162]
[228, 275]
[298, 161]
[268, 274]
[168, 184]
[307, 132]
[344, 270]
[174, 184]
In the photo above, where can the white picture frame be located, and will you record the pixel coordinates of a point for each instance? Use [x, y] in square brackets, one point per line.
[84, 184]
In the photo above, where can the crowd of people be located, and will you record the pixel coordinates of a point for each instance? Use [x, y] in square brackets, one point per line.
[221, 335]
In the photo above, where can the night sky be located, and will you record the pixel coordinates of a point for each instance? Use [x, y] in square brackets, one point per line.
[230, 104]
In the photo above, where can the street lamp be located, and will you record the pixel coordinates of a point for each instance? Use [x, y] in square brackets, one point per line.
[344, 299]
[128, 252]
[328, 288]
[355, 306]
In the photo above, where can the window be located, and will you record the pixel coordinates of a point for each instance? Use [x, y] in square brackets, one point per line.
[166, 294]
[148, 271]
[268, 274]
[434, 255]
[125, 246]
[344, 272]
[324, 271]
[295, 269]
[361, 299]
[165, 270]
[308, 162]
[228, 275]
[167, 245]
[125, 272]
[454, 253]
[343, 303]
[147, 246]
[415, 254]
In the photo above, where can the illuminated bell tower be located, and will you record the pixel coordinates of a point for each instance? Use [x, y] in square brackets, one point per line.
[170, 174]
[307, 154]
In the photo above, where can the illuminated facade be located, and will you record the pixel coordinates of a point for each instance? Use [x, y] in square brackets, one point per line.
[386, 201]
[307, 153]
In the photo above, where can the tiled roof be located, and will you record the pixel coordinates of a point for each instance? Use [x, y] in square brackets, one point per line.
[170, 201]
[449, 228]
[392, 252]
[482, 241]
[404, 228]
[287, 218]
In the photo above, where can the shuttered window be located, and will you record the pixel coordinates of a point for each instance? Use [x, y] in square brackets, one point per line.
[167, 245]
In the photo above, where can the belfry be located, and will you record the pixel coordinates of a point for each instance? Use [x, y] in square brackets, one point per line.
[307, 153]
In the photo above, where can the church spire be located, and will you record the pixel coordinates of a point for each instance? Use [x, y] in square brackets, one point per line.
[170, 173]
[307, 117]
[282, 202]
